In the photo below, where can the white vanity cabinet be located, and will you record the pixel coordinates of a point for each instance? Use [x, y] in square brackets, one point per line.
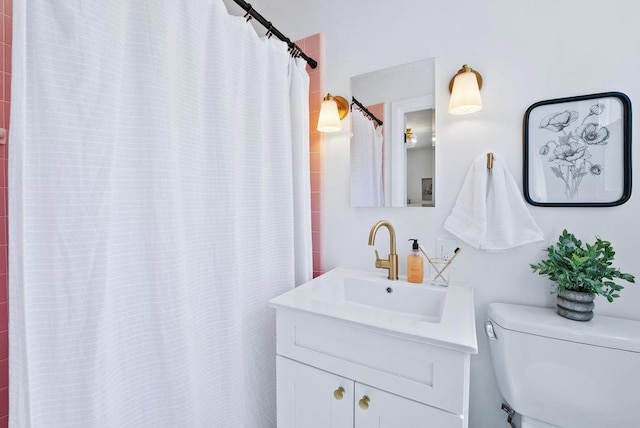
[390, 410]
[357, 350]
[312, 398]
[309, 397]
[407, 383]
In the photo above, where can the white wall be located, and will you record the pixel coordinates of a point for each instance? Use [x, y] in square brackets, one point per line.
[419, 166]
[527, 51]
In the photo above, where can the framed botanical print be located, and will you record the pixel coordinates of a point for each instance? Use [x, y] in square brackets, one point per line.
[577, 151]
[427, 189]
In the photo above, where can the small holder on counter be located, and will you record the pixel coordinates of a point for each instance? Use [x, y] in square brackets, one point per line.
[438, 268]
[438, 272]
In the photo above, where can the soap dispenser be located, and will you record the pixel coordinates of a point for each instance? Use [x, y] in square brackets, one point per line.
[415, 264]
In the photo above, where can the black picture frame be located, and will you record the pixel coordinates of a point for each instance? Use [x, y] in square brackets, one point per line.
[577, 151]
[427, 189]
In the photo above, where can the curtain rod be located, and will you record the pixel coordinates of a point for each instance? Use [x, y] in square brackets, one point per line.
[271, 30]
[366, 110]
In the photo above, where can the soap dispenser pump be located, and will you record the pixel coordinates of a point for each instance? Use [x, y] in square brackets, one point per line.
[415, 264]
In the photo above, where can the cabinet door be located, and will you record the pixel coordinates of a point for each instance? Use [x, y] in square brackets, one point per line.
[386, 410]
[310, 397]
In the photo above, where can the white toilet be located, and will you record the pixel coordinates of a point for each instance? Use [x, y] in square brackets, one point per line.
[556, 372]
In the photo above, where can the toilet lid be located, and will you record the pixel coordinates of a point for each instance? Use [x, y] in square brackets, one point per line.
[609, 332]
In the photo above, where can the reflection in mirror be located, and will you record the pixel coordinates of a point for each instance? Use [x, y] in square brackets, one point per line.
[387, 168]
[420, 155]
[366, 158]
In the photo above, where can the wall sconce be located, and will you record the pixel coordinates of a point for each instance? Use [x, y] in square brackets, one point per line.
[332, 111]
[410, 138]
[465, 91]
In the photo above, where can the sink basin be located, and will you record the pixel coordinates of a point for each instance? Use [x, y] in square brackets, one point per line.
[421, 312]
[393, 298]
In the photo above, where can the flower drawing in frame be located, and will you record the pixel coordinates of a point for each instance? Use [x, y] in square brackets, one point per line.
[577, 151]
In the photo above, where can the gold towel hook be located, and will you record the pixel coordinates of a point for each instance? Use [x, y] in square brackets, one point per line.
[489, 160]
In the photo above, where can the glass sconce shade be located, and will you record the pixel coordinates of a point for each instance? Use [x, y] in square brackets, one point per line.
[410, 138]
[465, 92]
[332, 110]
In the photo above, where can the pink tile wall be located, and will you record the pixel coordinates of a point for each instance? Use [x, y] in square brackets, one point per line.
[6, 29]
[313, 46]
[377, 110]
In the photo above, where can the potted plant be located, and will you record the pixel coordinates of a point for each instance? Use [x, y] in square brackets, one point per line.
[580, 272]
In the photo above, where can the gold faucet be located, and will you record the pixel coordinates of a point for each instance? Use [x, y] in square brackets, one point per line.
[391, 264]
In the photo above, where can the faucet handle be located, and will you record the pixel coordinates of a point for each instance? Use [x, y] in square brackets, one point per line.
[380, 263]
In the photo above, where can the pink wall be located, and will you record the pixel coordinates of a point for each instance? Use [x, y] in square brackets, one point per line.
[6, 28]
[313, 46]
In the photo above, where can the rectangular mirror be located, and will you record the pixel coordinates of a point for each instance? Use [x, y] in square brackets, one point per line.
[393, 137]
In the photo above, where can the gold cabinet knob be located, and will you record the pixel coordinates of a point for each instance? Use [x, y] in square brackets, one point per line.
[364, 402]
[338, 393]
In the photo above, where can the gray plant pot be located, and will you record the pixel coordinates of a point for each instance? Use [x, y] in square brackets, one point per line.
[576, 305]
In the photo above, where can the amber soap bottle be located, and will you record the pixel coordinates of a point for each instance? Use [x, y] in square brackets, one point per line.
[415, 264]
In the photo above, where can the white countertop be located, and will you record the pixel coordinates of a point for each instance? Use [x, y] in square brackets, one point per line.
[455, 330]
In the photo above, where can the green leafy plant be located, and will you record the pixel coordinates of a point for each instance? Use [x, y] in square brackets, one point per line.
[574, 266]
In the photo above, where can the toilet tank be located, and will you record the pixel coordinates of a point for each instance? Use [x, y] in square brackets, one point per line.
[567, 373]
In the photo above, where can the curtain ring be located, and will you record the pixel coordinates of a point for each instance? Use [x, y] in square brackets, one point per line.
[248, 15]
[269, 28]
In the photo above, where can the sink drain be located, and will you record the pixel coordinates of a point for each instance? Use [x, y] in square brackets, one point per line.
[389, 290]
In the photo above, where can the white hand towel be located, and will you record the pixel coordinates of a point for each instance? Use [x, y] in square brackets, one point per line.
[490, 213]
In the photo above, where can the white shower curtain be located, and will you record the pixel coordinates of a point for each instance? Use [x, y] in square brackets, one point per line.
[366, 162]
[155, 146]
